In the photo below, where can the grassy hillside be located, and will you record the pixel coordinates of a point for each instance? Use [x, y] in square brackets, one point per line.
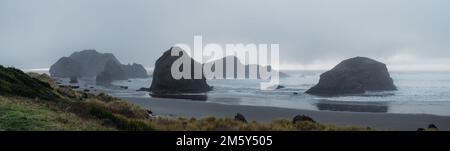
[18, 114]
[35, 102]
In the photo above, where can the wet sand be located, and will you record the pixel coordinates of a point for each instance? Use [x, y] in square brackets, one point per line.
[379, 121]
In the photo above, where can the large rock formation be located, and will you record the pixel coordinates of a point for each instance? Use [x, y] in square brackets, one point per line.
[352, 76]
[90, 63]
[163, 82]
[66, 67]
[114, 70]
[135, 71]
[103, 79]
[237, 63]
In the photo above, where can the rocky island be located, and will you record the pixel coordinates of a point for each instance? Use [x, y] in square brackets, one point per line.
[164, 83]
[90, 63]
[353, 76]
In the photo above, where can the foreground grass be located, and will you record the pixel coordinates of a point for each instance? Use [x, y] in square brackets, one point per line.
[229, 124]
[20, 114]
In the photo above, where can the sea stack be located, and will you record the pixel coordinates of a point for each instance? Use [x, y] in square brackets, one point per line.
[90, 63]
[354, 76]
[163, 82]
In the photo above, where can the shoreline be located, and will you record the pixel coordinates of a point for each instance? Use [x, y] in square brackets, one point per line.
[378, 121]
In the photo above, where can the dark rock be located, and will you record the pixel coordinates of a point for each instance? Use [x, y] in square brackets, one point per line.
[432, 126]
[238, 64]
[149, 112]
[302, 118]
[123, 87]
[420, 129]
[295, 93]
[144, 89]
[103, 79]
[90, 63]
[73, 80]
[114, 70]
[280, 87]
[86, 90]
[163, 82]
[240, 117]
[135, 71]
[353, 76]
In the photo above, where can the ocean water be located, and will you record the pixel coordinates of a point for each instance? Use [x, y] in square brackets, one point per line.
[418, 93]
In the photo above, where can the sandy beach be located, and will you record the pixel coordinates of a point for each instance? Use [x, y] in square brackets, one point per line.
[379, 121]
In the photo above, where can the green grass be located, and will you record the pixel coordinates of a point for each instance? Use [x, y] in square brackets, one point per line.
[229, 124]
[21, 115]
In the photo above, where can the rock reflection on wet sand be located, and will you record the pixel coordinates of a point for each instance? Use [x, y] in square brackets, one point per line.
[377, 107]
[193, 97]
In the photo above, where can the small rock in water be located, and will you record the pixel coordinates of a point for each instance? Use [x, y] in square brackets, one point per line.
[295, 93]
[420, 129]
[432, 126]
[150, 113]
[144, 89]
[302, 118]
[240, 117]
[124, 87]
[280, 87]
[73, 80]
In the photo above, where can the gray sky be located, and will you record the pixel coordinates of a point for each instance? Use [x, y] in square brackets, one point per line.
[312, 33]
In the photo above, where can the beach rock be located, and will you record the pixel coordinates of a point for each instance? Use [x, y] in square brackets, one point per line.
[432, 126]
[353, 76]
[163, 82]
[240, 117]
[144, 89]
[302, 118]
[90, 63]
[280, 87]
[150, 113]
[73, 80]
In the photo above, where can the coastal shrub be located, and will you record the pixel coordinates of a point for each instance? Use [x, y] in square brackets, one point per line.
[229, 124]
[16, 83]
[21, 114]
[120, 122]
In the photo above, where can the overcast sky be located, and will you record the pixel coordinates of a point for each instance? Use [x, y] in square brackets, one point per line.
[312, 33]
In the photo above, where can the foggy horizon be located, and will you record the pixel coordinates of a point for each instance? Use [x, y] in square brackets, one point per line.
[404, 34]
